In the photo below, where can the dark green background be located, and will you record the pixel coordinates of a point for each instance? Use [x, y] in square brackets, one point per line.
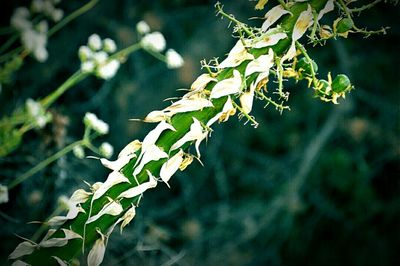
[318, 185]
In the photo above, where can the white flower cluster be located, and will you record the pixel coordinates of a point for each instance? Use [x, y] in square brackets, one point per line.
[95, 123]
[95, 57]
[34, 35]
[155, 42]
[37, 113]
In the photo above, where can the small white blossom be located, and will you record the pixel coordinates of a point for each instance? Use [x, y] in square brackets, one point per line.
[57, 14]
[94, 42]
[3, 194]
[106, 149]
[100, 57]
[85, 53]
[42, 26]
[142, 27]
[174, 60]
[98, 125]
[20, 19]
[79, 152]
[35, 42]
[88, 66]
[109, 45]
[108, 70]
[154, 41]
[37, 113]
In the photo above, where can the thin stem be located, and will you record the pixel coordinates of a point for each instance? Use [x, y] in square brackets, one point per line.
[310, 61]
[71, 17]
[315, 25]
[269, 100]
[126, 51]
[364, 7]
[283, 3]
[232, 18]
[44, 163]
[6, 30]
[8, 43]
[71, 81]
[255, 123]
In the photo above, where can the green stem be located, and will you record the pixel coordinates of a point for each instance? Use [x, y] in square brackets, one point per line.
[71, 17]
[126, 51]
[71, 81]
[304, 52]
[44, 163]
[364, 7]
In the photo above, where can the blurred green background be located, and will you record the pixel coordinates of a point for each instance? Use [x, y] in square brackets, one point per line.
[317, 185]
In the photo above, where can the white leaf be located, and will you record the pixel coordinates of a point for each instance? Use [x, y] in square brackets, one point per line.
[273, 15]
[236, 56]
[25, 248]
[169, 168]
[113, 179]
[227, 86]
[138, 190]
[261, 64]
[112, 208]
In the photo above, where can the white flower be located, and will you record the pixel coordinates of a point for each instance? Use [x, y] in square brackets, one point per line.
[227, 86]
[20, 19]
[57, 14]
[100, 57]
[109, 45]
[174, 60]
[84, 53]
[25, 248]
[88, 66]
[154, 41]
[98, 125]
[94, 42]
[37, 113]
[59, 241]
[35, 42]
[223, 116]
[169, 168]
[196, 133]
[142, 27]
[246, 99]
[270, 38]
[96, 254]
[113, 179]
[139, 189]
[79, 152]
[236, 56]
[273, 15]
[3, 194]
[106, 149]
[261, 64]
[109, 69]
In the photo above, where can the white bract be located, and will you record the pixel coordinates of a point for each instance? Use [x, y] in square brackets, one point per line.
[329, 6]
[25, 248]
[246, 99]
[61, 241]
[154, 41]
[174, 60]
[142, 27]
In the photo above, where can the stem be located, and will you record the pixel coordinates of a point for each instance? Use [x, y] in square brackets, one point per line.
[44, 163]
[71, 17]
[283, 3]
[304, 52]
[232, 18]
[8, 43]
[71, 81]
[364, 7]
[126, 51]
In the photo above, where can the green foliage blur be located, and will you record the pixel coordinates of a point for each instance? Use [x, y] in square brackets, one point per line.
[317, 185]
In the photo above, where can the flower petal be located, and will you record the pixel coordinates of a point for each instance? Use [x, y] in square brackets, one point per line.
[227, 86]
[246, 99]
[227, 110]
[112, 208]
[273, 15]
[236, 56]
[113, 178]
[329, 6]
[169, 168]
[138, 190]
[153, 153]
[261, 64]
